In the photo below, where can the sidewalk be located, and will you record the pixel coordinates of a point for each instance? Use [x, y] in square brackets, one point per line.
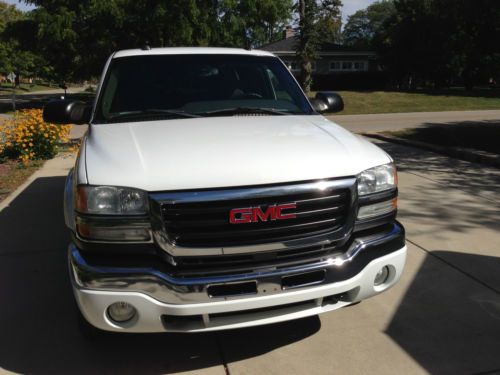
[70, 90]
[59, 166]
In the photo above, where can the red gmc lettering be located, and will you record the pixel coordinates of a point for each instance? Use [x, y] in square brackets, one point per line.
[279, 211]
[263, 216]
[240, 215]
[256, 214]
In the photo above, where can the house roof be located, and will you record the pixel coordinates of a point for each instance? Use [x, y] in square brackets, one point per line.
[288, 46]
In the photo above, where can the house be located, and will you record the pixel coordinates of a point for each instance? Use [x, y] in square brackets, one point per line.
[336, 65]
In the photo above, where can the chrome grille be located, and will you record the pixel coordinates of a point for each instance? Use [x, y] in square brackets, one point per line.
[201, 219]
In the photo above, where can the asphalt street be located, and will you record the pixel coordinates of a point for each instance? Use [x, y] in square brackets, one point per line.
[400, 121]
[442, 317]
[390, 121]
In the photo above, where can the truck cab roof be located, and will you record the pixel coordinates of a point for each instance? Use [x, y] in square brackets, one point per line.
[190, 51]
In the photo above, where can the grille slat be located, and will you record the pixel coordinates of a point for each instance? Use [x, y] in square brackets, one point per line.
[207, 208]
[206, 224]
[255, 232]
[186, 221]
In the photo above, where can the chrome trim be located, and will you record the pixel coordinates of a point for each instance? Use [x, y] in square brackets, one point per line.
[220, 195]
[249, 193]
[168, 289]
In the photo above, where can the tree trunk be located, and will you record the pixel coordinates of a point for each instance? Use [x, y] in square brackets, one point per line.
[17, 80]
[305, 63]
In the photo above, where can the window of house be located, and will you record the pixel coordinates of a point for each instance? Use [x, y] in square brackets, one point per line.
[359, 65]
[335, 65]
[346, 65]
[295, 66]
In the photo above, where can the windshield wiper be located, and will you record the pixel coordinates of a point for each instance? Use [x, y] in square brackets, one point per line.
[150, 112]
[244, 110]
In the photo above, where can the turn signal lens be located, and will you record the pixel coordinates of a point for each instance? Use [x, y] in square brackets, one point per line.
[377, 209]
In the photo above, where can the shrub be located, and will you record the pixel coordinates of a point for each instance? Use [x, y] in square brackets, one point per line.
[27, 137]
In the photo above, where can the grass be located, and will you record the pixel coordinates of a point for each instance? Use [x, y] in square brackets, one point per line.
[24, 88]
[363, 102]
[13, 174]
[482, 136]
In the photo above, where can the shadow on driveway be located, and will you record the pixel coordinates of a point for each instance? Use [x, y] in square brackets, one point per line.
[448, 323]
[38, 321]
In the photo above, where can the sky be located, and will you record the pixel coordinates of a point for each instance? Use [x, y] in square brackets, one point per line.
[21, 5]
[350, 6]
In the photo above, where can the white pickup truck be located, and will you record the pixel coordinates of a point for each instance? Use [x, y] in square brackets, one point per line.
[209, 193]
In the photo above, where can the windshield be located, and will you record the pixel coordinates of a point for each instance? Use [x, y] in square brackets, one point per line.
[146, 88]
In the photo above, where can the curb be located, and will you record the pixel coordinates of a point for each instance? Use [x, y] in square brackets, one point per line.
[466, 154]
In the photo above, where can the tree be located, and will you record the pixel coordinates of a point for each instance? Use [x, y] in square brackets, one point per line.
[8, 14]
[365, 25]
[317, 22]
[329, 21]
[76, 37]
[440, 42]
[251, 23]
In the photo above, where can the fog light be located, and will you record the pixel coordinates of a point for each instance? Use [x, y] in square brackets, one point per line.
[381, 276]
[121, 311]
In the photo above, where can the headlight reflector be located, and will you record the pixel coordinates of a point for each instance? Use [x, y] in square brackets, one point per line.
[111, 200]
[374, 180]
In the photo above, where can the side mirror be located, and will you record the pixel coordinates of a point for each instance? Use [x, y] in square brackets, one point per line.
[332, 99]
[66, 111]
[319, 105]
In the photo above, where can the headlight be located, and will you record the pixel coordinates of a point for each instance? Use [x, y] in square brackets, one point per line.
[110, 200]
[374, 180]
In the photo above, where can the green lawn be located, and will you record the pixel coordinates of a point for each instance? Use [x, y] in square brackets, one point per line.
[24, 88]
[359, 102]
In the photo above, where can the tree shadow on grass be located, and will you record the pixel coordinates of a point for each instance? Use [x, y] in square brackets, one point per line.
[38, 320]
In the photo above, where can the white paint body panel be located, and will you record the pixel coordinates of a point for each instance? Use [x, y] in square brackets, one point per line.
[223, 152]
[190, 51]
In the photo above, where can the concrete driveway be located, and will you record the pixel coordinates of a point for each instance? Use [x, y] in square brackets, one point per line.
[442, 317]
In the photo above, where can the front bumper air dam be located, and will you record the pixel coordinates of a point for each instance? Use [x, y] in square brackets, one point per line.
[155, 313]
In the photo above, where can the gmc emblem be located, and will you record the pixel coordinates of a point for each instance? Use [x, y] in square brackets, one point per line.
[256, 214]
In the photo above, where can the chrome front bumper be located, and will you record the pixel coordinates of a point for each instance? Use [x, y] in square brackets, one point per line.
[348, 277]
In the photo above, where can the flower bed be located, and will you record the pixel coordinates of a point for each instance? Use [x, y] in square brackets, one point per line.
[27, 137]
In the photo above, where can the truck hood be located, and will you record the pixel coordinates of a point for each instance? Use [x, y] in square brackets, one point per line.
[224, 151]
